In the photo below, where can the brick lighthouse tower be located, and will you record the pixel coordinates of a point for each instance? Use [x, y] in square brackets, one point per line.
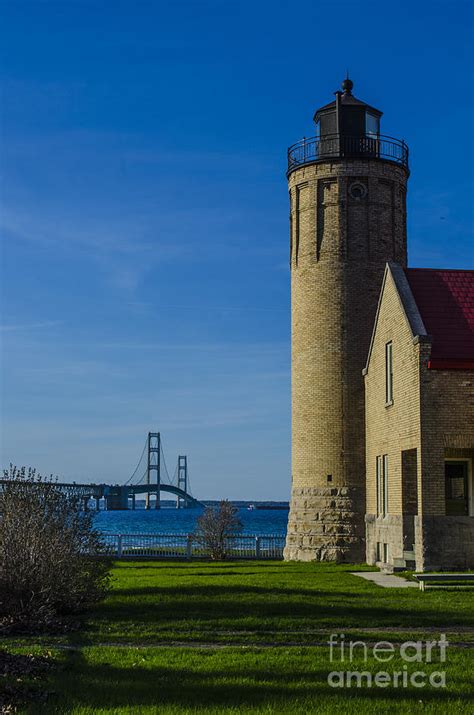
[347, 219]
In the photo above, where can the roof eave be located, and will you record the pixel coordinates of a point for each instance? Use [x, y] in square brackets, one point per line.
[332, 105]
[408, 304]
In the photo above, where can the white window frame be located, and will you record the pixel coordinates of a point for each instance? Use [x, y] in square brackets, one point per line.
[378, 483]
[388, 373]
[381, 480]
[368, 133]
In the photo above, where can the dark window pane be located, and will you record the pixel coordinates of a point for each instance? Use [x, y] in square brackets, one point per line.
[456, 488]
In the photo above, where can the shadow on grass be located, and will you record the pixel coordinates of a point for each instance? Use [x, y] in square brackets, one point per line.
[98, 685]
[242, 566]
[217, 591]
[174, 604]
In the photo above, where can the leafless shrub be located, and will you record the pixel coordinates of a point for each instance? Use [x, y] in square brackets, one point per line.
[214, 526]
[52, 560]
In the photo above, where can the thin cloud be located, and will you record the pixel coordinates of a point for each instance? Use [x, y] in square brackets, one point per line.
[26, 327]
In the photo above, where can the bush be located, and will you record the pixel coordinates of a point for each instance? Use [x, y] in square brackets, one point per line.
[49, 551]
[214, 526]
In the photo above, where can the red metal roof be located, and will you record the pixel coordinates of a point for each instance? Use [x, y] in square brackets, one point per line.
[445, 299]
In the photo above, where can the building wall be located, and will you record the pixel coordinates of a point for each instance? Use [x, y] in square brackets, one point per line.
[391, 429]
[447, 410]
[444, 542]
[347, 220]
[447, 424]
[432, 413]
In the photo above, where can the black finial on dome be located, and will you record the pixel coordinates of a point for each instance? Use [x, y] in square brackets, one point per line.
[347, 85]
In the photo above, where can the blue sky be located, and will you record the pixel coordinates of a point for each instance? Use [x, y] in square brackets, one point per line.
[144, 214]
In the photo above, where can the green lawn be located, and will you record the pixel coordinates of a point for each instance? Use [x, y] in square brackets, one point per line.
[252, 637]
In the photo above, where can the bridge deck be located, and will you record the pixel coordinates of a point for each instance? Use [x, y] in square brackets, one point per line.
[120, 492]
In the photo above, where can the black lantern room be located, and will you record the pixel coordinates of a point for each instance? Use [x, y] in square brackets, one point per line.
[347, 128]
[347, 117]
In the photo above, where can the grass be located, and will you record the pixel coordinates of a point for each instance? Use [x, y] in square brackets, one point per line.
[252, 637]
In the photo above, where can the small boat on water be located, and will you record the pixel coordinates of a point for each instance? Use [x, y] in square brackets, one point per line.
[273, 506]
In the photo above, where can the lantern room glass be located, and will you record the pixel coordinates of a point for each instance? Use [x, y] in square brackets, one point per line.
[372, 125]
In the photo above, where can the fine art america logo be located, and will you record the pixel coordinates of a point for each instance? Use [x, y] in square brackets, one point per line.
[343, 653]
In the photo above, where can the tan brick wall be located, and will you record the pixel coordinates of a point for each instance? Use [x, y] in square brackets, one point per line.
[339, 247]
[447, 409]
[391, 429]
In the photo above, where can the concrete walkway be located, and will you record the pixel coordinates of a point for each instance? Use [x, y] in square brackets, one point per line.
[384, 579]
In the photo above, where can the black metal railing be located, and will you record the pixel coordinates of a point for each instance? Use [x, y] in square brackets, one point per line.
[338, 146]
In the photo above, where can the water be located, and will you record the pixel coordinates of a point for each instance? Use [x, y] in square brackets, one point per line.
[183, 521]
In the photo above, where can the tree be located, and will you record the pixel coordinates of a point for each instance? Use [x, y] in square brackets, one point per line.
[214, 527]
[52, 560]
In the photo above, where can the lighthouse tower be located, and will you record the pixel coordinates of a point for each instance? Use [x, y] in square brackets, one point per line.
[347, 190]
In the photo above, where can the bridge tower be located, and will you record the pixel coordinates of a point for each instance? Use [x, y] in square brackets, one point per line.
[347, 189]
[153, 465]
[182, 480]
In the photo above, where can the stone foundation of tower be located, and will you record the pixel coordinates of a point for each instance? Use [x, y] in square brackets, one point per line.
[323, 526]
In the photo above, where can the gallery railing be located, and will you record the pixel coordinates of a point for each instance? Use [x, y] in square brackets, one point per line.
[182, 546]
[338, 146]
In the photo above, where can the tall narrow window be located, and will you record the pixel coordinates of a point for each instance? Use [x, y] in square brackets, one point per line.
[385, 484]
[389, 373]
[382, 484]
[379, 487]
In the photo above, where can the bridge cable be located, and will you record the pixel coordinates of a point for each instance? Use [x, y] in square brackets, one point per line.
[141, 480]
[139, 462]
[175, 476]
[164, 461]
[188, 484]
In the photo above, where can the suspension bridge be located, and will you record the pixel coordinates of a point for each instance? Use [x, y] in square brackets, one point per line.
[150, 478]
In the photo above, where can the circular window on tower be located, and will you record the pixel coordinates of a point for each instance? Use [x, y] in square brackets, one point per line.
[357, 191]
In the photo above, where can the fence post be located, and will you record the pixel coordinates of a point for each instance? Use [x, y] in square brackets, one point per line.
[189, 546]
[257, 547]
[119, 546]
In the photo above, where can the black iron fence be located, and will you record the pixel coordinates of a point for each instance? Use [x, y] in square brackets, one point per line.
[337, 146]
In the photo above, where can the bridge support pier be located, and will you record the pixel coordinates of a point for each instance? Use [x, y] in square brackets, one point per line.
[97, 503]
[117, 498]
[182, 480]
